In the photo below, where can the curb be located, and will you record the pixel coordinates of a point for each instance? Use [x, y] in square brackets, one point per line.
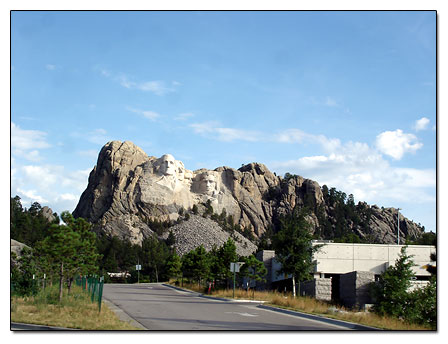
[212, 297]
[330, 321]
[181, 289]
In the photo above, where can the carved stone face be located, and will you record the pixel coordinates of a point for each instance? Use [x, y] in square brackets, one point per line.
[167, 165]
[207, 184]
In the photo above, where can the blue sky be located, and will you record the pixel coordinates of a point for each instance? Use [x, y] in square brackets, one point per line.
[344, 98]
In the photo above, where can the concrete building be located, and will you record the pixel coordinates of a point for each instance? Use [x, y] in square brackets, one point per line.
[343, 272]
[339, 258]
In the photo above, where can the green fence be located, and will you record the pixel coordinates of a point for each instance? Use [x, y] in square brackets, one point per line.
[94, 286]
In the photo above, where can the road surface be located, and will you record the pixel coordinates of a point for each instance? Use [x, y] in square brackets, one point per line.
[163, 308]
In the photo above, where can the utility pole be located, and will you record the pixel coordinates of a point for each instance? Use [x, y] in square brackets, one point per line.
[398, 226]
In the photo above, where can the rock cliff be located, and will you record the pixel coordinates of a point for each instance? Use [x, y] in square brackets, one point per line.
[128, 191]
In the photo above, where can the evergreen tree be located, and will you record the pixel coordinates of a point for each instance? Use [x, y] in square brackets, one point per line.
[171, 240]
[253, 269]
[28, 226]
[226, 255]
[173, 266]
[68, 250]
[196, 264]
[423, 308]
[85, 261]
[59, 250]
[391, 291]
[293, 247]
[155, 253]
[22, 274]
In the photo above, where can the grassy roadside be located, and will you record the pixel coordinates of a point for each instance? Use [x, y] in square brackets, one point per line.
[75, 311]
[312, 306]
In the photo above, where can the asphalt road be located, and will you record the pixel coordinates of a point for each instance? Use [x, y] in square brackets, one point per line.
[162, 308]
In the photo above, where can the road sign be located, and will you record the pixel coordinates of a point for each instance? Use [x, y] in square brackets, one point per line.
[234, 267]
[138, 267]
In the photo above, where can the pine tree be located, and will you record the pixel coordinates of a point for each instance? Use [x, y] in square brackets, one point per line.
[173, 266]
[253, 269]
[59, 249]
[391, 291]
[226, 255]
[293, 247]
[196, 264]
[155, 254]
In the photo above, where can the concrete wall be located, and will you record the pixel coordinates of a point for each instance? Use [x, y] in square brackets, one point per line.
[274, 273]
[319, 288]
[354, 288]
[342, 258]
[267, 257]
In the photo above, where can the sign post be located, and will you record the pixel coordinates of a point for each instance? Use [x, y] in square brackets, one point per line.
[138, 267]
[235, 267]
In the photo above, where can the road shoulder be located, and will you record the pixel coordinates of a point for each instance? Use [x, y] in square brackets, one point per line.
[122, 315]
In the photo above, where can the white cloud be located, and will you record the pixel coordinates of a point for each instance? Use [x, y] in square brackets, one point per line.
[91, 153]
[49, 177]
[299, 136]
[212, 129]
[151, 115]
[358, 169]
[22, 139]
[33, 156]
[105, 73]
[30, 196]
[50, 67]
[331, 102]
[421, 124]
[67, 197]
[97, 136]
[396, 143]
[26, 143]
[291, 136]
[184, 116]
[50, 185]
[158, 87]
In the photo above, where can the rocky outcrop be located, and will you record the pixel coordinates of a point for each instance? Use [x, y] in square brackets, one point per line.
[48, 214]
[16, 251]
[198, 230]
[17, 247]
[383, 226]
[128, 190]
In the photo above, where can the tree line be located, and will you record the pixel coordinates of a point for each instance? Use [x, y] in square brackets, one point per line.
[64, 250]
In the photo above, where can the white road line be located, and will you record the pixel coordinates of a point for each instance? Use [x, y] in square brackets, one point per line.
[243, 314]
[181, 292]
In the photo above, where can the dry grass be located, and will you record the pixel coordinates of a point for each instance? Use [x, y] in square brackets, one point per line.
[75, 311]
[313, 306]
